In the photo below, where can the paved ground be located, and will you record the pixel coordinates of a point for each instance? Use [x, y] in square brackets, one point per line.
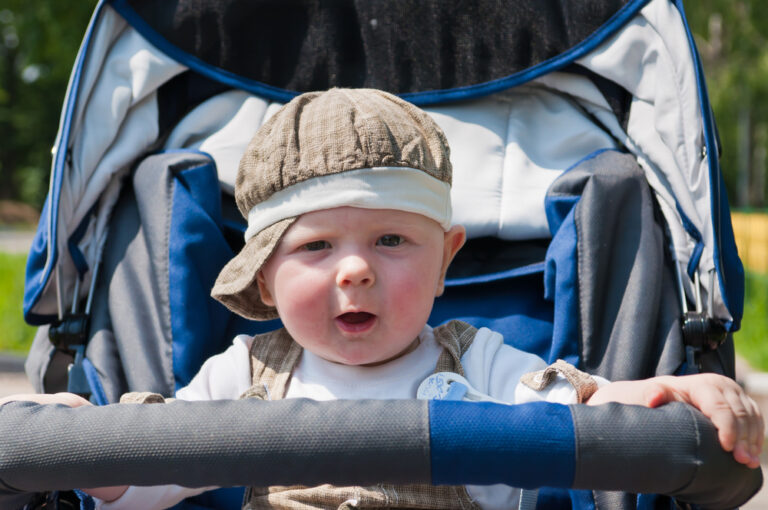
[756, 384]
[15, 241]
[12, 377]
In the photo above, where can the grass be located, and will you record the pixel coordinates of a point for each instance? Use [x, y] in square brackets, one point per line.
[752, 339]
[16, 335]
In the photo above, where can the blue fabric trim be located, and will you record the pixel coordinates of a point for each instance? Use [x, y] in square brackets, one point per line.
[98, 395]
[33, 292]
[561, 286]
[580, 500]
[618, 20]
[72, 244]
[592, 155]
[693, 262]
[688, 225]
[557, 206]
[698, 248]
[728, 266]
[501, 275]
[196, 253]
[561, 498]
[480, 443]
[208, 70]
[86, 501]
[35, 273]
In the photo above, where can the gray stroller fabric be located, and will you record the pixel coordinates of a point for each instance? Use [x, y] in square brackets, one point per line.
[130, 339]
[629, 306]
[627, 298]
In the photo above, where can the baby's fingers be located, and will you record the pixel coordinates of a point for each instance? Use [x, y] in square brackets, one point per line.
[750, 444]
[69, 399]
[739, 425]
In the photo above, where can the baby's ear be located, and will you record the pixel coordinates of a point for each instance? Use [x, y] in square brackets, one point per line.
[452, 242]
[266, 295]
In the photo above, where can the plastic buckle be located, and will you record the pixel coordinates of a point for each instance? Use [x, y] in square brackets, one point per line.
[69, 332]
[700, 334]
[71, 335]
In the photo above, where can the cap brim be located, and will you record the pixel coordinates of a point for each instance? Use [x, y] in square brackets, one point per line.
[236, 286]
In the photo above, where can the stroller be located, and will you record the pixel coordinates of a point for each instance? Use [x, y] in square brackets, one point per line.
[585, 171]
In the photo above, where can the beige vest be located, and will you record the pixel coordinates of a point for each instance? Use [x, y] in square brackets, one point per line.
[273, 357]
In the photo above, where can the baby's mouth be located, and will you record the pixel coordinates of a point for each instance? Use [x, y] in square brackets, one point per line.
[354, 322]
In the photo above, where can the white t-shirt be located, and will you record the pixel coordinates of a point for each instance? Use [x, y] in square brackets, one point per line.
[490, 366]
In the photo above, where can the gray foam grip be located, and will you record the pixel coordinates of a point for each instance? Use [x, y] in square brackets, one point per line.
[671, 450]
[225, 443]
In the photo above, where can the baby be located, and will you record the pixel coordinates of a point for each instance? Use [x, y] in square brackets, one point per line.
[347, 197]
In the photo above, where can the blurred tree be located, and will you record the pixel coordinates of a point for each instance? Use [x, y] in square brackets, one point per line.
[732, 36]
[38, 44]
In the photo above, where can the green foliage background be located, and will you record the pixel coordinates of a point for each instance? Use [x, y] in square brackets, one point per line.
[732, 37]
[16, 335]
[38, 43]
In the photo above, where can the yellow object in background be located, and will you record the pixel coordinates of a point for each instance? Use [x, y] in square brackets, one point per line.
[751, 232]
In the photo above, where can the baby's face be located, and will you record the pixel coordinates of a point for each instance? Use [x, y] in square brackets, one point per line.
[356, 286]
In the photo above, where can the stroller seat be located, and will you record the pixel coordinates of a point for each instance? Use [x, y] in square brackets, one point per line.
[585, 171]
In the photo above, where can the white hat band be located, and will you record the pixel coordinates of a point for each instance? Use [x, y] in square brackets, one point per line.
[400, 188]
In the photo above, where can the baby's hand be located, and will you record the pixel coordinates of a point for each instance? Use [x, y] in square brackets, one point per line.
[68, 399]
[737, 418]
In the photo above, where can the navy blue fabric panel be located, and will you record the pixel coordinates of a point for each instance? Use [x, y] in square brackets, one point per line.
[580, 500]
[200, 325]
[562, 287]
[86, 501]
[81, 265]
[731, 269]
[35, 277]
[98, 396]
[557, 208]
[471, 447]
[550, 497]
[197, 251]
[514, 307]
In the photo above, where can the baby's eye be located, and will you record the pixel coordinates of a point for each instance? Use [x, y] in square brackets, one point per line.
[317, 245]
[390, 240]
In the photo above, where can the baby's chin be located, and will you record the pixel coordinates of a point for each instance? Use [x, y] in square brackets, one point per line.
[365, 359]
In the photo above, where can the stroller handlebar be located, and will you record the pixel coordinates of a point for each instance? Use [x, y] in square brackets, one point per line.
[670, 450]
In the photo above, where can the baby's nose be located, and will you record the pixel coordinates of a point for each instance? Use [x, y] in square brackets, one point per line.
[354, 270]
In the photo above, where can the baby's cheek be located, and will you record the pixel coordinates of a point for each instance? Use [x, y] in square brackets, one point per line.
[415, 297]
[300, 295]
